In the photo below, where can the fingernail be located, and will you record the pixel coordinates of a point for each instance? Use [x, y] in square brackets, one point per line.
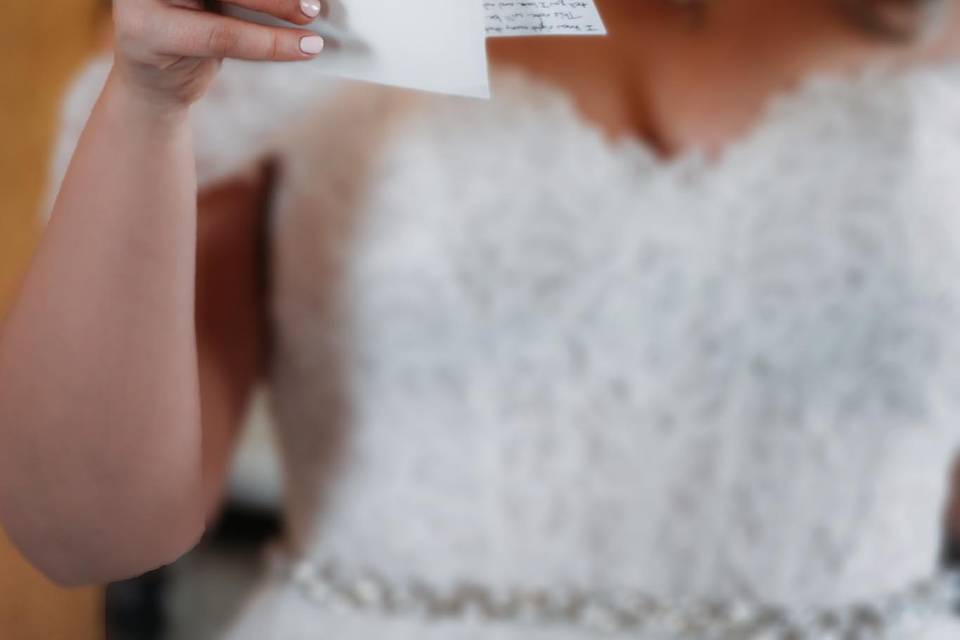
[310, 8]
[311, 45]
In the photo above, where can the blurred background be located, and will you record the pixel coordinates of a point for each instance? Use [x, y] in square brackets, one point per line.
[42, 44]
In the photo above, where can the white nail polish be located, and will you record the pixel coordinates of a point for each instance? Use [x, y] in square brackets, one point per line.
[310, 8]
[311, 45]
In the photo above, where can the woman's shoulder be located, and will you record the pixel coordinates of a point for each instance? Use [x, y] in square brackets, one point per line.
[253, 110]
[248, 110]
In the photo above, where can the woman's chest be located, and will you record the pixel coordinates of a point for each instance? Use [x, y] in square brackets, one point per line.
[551, 340]
[813, 266]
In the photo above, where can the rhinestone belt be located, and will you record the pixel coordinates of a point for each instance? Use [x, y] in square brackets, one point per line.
[330, 587]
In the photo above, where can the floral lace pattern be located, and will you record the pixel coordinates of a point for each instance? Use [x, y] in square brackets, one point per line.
[511, 353]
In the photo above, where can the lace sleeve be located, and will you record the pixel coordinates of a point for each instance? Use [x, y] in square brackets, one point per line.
[80, 99]
[248, 110]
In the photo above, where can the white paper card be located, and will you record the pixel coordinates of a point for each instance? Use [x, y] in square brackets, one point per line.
[433, 45]
[543, 18]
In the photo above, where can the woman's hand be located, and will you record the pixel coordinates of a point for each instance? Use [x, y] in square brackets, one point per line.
[167, 51]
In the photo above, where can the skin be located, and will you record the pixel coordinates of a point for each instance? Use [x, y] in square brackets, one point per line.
[129, 355]
[106, 353]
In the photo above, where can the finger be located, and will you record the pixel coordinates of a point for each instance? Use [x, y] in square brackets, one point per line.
[295, 11]
[207, 35]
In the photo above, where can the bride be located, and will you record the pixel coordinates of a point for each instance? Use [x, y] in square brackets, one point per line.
[661, 342]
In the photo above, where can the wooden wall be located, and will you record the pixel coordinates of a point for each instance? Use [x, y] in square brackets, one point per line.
[41, 44]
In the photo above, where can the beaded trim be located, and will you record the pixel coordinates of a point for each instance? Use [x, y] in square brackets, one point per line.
[615, 612]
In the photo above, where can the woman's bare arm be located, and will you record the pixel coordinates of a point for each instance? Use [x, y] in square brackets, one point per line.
[101, 459]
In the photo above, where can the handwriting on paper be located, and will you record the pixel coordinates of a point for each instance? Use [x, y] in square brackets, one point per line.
[542, 17]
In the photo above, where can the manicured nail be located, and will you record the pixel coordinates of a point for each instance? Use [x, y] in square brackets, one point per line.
[311, 45]
[310, 8]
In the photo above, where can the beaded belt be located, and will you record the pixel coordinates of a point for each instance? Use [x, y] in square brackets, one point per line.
[330, 587]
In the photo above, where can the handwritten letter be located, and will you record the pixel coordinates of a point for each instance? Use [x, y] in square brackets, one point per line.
[542, 17]
[432, 45]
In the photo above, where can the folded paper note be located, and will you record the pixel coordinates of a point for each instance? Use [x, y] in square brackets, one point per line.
[432, 45]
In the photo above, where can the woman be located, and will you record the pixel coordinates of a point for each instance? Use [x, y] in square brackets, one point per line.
[661, 341]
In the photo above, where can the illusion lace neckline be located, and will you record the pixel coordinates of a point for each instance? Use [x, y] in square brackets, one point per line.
[780, 108]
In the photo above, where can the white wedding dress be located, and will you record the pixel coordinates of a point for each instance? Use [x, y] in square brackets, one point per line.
[529, 383]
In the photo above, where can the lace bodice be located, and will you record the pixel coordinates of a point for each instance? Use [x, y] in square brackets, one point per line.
[511, 352]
